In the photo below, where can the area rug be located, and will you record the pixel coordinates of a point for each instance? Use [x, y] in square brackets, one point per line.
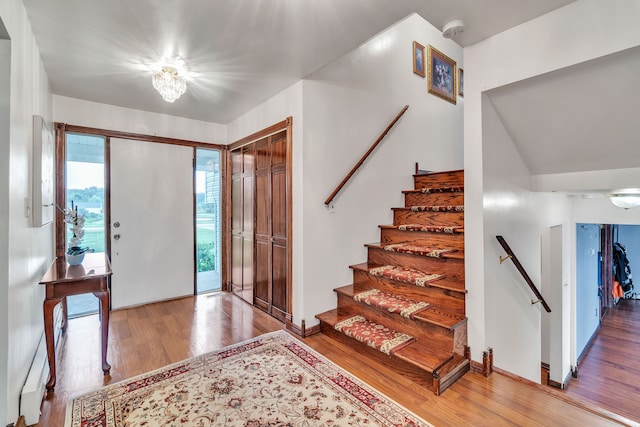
[374, 335]
[272, 380]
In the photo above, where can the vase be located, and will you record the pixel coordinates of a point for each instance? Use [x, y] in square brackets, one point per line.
[75, 259]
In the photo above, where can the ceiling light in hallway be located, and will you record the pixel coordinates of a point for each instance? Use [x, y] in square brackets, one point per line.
[626, 199]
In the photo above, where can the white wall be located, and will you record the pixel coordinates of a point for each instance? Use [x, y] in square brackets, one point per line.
[345, 105]
[103, 116]
[29, 250]
[5, 80]
[581, 31]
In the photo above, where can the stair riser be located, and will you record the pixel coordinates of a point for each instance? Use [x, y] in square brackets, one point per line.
[433, 199]
[437, 335]
[389, 236]
[448, 300]
[447, 219]
[453, 269]
[443, 179]
[402, 368]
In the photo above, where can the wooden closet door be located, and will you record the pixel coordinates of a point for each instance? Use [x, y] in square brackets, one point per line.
[272, 278]
[242, 201]
[280, 287]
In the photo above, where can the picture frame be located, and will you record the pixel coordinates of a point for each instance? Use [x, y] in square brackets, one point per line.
[442, 75]
[460, 82]
[418, 59]
[42, 206]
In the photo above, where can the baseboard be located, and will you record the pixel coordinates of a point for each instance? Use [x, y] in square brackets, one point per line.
[34, 387]
[302, 330]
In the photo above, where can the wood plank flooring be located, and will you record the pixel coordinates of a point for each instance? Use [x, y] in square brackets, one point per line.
[609, 374]
[148, 337]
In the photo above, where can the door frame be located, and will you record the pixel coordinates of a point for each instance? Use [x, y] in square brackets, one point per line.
[61, 157]
[284, 125]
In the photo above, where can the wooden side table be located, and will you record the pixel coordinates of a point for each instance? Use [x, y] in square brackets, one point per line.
[63, 280]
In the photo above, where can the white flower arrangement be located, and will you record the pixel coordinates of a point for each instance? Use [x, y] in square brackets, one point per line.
[71, 216]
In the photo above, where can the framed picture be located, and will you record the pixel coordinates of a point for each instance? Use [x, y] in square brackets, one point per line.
[460, 82]
[418, 59]
[43, 173]
[442, 75]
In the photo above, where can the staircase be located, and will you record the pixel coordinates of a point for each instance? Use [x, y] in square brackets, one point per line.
[406, 306]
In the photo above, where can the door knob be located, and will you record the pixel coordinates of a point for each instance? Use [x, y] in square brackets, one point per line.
[116, 236]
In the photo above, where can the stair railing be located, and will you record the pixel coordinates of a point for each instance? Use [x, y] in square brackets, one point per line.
[512, 257]
[364, 157]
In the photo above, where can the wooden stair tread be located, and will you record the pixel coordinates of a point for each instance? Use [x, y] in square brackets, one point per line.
[442, 207]
[431, 314]
[434, 173]
[457, 230]
[435, 190]
[454, 254]
[445, 283]
[418, 353]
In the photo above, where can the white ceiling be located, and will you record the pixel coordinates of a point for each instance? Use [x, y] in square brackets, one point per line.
[581, 118]
[239, 53]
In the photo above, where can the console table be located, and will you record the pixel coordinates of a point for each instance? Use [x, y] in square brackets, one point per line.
[63, 280]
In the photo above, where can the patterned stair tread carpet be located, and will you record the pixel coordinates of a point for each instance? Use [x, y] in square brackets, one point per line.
[429, 190]
[448, 208]
[405, 275]
[405, 307]
[271, 380]
[374, 335]
[430, 228]
[417, 250]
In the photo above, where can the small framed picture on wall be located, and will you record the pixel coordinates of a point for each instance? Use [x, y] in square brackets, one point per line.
[418, 59]
[460, 82]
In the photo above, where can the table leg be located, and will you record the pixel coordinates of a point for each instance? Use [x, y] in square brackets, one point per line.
[47, 309]
[65, 314]
[104, 316]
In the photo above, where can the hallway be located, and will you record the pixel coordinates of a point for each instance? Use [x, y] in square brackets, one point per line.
[609, 373]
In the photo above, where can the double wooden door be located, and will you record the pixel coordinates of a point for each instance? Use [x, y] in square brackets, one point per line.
[260, 235]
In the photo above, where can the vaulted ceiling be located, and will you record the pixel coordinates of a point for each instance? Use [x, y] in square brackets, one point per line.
[239, 52]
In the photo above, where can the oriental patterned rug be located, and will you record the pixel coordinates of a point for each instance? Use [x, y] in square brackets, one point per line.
[271, 380]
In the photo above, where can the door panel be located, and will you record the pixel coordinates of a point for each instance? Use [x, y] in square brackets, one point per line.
[152, 249]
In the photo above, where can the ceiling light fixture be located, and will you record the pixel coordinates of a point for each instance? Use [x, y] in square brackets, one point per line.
[169, 83]
[625, 199]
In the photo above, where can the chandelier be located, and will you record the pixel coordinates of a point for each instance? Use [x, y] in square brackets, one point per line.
[169, 83]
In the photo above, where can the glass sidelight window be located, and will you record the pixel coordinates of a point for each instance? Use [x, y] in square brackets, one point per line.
[207, 220]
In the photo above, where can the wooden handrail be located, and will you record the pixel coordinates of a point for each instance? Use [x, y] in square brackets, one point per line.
[512, 256]
[364, 157]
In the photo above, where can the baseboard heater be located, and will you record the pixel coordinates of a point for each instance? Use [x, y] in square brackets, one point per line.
[33, 390]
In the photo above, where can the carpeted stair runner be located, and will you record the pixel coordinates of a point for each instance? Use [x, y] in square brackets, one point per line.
[449, 208]
[374, 335]
[417, 250]
[406, 275]
[430, 228]
[429, 190]
[405, 307]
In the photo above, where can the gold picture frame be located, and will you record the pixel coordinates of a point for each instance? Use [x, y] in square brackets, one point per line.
[442, 75]
[418, 59]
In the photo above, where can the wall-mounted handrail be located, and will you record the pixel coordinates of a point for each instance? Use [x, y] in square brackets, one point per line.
[512, 256]
[364, 157]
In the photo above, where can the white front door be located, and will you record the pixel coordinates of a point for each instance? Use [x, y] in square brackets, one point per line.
[152, 244]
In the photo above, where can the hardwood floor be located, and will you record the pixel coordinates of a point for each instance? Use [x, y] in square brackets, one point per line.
[148, 337]
[609, 374]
